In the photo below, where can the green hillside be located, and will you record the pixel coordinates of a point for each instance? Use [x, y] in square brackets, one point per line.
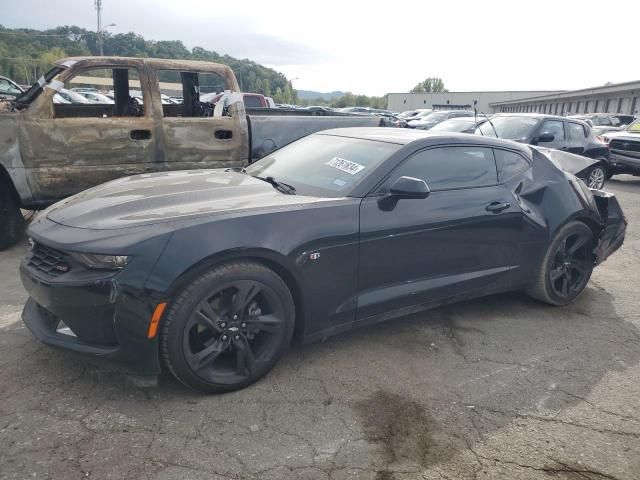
[25, 54]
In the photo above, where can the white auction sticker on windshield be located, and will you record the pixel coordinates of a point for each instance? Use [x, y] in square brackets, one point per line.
[352, 168]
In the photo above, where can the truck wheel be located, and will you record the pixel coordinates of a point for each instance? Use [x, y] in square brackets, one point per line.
[566, 267]
[11, 219]
[228, 327]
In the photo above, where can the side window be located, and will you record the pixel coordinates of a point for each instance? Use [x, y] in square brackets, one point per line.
[100, 92]
[615, 121]
[555, 128]
[449, 167]
[509, 164]
[576, 132]
[198, 91]
[252, 101]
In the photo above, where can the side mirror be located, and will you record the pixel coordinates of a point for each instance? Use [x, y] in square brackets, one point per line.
[546, 137]
[409, 187]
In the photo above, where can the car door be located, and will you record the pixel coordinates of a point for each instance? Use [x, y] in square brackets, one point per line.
[70, 147]
[194, 134]
[461, 238]
[576, 137]
[555, 128]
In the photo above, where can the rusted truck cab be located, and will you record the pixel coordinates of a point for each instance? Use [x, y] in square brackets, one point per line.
[52, 150]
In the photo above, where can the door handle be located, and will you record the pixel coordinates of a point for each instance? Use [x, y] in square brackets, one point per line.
[497, 207]
[140, 134]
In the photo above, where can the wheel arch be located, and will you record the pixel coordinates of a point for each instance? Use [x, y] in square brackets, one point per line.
[5, 179]
[270, 259]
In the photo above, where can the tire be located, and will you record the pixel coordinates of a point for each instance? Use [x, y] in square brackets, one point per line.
[596, 176]
[11, 220]
[548, 286]
[228, 327]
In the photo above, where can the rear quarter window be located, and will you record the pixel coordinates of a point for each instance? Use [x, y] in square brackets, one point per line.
[509, 164]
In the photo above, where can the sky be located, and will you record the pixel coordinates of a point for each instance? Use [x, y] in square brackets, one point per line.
[376, 47]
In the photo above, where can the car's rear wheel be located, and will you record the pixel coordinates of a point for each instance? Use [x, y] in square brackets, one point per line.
[597, 176]
[228, 327]
[566, 267]
[11, 219]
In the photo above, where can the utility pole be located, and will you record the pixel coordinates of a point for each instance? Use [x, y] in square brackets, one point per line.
[98, 5]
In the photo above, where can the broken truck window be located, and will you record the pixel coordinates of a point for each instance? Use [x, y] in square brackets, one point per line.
[100, 92]
[190, 94]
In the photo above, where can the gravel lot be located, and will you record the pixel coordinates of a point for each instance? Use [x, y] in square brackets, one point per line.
[501, 387]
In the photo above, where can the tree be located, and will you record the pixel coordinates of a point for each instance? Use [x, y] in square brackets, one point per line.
[430, 85]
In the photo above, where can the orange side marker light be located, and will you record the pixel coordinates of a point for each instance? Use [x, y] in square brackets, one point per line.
[155, 320]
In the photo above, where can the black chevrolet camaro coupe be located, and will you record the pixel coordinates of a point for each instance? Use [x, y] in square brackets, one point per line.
[211, 273]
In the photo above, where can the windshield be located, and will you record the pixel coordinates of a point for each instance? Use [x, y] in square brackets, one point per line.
[423, 114]
[634, 127]
[323, 165]
[454, 125]
[511, 128]
[435, 116]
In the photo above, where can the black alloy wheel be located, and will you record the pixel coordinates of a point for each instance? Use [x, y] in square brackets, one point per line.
[233, 325]
[567, 265]
[572, 265]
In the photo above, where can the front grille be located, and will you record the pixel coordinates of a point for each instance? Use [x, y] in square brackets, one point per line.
[47, 260]
[628, 145]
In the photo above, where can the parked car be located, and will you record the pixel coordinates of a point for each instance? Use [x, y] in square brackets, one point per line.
[96, 97]
[9, 89]
[251, 100]
[65, 156]
[460, 125]
[342, 228]
[624, 148]
[551, 131]
[70, 96]
[428, 121]
[85, 90]
[415, 114]
[606, 119]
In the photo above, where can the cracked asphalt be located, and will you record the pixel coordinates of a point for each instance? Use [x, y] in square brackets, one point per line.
[501, 387]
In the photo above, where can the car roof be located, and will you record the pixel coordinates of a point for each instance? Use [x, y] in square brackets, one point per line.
[464, 119]
[541, 116]
[530, 115]
[424, 138]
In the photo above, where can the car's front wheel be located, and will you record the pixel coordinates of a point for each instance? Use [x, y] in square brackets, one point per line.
[228, 327]
[566, 267]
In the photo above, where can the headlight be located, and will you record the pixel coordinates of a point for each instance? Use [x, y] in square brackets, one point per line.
[102, 262]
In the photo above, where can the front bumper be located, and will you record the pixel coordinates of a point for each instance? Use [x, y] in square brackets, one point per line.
[108, 322]
[624, 161]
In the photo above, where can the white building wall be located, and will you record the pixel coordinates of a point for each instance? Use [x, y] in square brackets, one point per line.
[400, 102]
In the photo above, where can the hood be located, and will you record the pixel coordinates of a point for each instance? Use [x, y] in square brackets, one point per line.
[623, 135]
[569, 162]
[169, 196]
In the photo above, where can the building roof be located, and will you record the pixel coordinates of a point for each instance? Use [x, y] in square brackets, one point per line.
[602, 89]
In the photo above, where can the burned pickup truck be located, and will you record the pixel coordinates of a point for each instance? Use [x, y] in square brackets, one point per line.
[51, 148]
